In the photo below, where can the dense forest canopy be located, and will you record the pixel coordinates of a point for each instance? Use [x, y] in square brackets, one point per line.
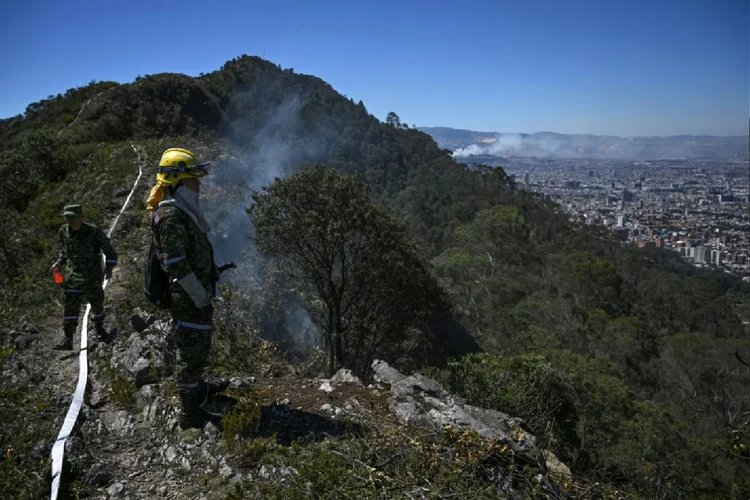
[621, 358]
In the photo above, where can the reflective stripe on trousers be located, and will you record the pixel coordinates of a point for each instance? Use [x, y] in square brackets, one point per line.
[194, 326]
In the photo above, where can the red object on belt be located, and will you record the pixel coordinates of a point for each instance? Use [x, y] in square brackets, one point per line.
[58, 276]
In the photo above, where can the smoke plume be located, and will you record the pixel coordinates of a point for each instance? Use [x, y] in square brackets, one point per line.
[516, 145]
[258, 154]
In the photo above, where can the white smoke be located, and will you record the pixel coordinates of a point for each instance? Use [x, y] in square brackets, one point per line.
[516, 145]
[226, 194]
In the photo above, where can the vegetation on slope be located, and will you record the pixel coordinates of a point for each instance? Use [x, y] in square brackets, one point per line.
[637, 345]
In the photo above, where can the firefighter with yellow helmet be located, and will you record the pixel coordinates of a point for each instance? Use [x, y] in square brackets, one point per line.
[180, 235]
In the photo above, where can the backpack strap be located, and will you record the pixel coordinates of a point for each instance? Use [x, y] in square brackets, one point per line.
[155, 217]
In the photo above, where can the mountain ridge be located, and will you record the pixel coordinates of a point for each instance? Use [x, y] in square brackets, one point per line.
[570, 324]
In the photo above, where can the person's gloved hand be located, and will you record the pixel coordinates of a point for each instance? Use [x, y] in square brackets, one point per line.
[200, 297]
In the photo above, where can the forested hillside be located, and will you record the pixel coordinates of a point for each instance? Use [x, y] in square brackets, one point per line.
[620, 360]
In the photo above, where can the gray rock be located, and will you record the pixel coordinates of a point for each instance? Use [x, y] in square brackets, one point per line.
[326, 386]
[24, 340]
[98, 475]
[74, 446]
[554, 465]
[97, 393]
[146, 394]
[115, 490]
[41, 450]
[286, 472]
[98, 398]
[211, 431]
[241, 382]
[385, 372]
[143, 356]
[170, 454]
[120, 422]
[29, 328]
[345, 375]
[277, 473]
[422, 402]
[327, 408]
[155, 411]
[225, 471]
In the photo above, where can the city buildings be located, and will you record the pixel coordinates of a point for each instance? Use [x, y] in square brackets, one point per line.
[696, 207]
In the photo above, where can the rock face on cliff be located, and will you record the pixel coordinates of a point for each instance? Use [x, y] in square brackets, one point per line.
[422, 402]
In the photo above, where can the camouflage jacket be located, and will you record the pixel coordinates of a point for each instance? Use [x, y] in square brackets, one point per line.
[183, 248]
[81, 254]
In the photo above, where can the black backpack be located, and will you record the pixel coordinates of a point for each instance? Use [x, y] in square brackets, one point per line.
[156, 280]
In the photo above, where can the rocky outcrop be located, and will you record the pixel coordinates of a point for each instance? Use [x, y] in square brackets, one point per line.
[143, 356]
[421, 401]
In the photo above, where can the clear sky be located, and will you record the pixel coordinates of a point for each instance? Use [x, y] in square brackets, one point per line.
[621, 67]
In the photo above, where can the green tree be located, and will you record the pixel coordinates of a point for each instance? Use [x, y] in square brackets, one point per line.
[591, 282]
[393, 120]
[365, 285]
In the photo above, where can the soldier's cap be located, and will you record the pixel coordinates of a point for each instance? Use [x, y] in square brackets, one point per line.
[72, 211]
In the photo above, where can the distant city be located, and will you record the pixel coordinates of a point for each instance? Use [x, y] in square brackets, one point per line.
[697, 207]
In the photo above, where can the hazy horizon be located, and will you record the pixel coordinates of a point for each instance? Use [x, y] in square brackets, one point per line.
[628, 69]
[420, 127]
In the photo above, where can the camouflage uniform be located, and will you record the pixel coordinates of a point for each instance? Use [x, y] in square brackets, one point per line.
[83, 275]
[184, 249]
[181, 241]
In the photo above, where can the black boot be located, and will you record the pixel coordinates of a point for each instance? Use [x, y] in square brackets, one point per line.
[193, 414]
[66, 344]
[101, 331]
[213, 387]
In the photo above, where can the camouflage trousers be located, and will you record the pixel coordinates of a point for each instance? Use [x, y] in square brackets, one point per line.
[193, 329]
[73, 299]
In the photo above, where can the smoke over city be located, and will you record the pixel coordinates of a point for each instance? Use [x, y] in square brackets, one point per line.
[515, 144]
[553, 145]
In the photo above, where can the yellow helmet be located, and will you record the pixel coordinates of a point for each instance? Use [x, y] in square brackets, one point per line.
[177, 164]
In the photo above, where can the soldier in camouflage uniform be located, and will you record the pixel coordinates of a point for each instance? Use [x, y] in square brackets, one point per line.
[180, 233]
[81, 255]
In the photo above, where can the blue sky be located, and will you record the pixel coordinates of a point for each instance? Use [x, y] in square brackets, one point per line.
[621, 67]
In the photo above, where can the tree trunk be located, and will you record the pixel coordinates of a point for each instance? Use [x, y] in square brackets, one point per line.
[339, 351]
[332, 334]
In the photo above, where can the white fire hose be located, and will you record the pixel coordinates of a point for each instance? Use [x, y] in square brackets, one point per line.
[83, 368]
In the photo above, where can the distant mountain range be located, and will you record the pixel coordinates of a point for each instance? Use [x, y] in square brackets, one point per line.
[468, 143]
